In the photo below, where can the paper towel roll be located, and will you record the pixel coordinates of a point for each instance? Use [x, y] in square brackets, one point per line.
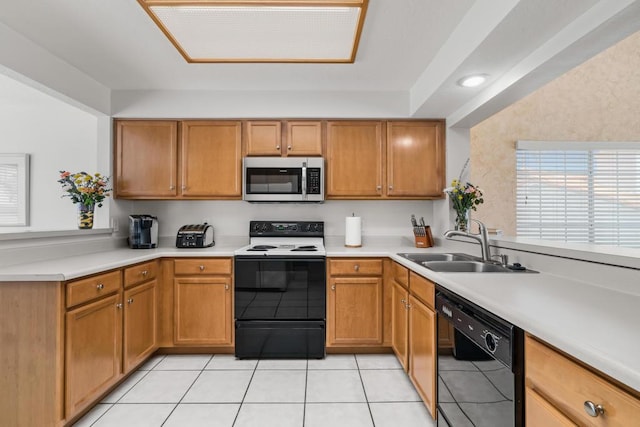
[353, 232]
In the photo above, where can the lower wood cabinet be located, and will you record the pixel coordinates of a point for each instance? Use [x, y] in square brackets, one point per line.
[140, 318]
[400, 323]
[203, 302]
[560, 390]
[422, 351]
[93, 351]
[354, 302]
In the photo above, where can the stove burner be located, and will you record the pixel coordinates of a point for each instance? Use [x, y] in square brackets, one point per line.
[307, 248]
[261, 248]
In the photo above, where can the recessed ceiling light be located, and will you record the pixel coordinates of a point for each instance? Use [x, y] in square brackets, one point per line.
[473, 80]
[261, 31]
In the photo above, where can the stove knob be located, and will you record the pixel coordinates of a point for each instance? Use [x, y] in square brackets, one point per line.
[491, 341]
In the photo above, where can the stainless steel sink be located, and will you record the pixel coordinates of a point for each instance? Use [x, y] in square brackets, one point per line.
[421, 258]
[465, 267]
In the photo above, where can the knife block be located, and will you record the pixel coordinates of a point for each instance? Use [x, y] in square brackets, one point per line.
[423, 237]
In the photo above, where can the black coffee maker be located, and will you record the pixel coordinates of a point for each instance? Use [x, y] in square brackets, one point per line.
[143, 232]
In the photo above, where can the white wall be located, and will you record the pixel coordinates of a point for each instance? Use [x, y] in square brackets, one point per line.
[231, 218]
[58, 136]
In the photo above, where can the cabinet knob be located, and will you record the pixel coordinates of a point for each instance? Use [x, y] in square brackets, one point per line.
[226, 287]
[202, 268]
[99, 286]
[130, 301]
[404, 301]
[277, 147]
[289, 147]
[184, 187]
[378, 187]
[391, 187]
[333, 287]
[172, 187]
[592, 409]
[144, 273]
[356, 267]
[119, 305]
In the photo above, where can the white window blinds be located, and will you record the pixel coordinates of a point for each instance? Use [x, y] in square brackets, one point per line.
[14, 176]
[579, 192]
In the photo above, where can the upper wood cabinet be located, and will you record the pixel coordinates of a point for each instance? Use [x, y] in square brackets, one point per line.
[299, 138]
[146, 159]
[366, 162]
[355, 156]
[211, 159]
[415, 159]
[162, 160]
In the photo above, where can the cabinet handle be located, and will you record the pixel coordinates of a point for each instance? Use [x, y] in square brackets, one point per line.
[172, 187]
[289, 147]
[130, 301]
[407, 306]
[226, 287]
[202, 268]
[356, 267]
[391, 187]
[592, 409]
[100, 286]
[277, 147]
[119, 305]
[144, 273]
[404, 301]
[184, 187]
[378, 187]
[333, 287]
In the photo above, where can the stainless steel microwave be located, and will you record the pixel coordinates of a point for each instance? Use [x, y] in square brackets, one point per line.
[283, 179]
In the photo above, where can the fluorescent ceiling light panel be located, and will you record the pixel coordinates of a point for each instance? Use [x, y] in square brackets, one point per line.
[285, 31]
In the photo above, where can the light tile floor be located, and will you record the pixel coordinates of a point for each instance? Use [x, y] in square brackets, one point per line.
[220, 391]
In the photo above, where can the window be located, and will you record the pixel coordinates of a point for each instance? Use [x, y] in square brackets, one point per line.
[14, 189]
[579, 192]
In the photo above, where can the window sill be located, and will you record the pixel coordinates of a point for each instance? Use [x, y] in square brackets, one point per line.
[44, 234]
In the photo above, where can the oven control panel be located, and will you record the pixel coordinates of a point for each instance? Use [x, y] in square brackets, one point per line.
[286, 228]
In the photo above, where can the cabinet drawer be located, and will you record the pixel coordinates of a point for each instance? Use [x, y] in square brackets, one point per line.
[355, 267]
[400, 274]
[80, 291]
[422, 288]
[567, 385]
[200, 266]
[140, 273]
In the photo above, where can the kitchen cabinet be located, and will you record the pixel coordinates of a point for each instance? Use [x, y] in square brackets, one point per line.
[185, 160]
[558, 390]
[415, 159]
[93, 351]
[211, 159]
[389, 160]
[422, 351]
[354, 159]
[203, 302]
[300, 138]
[140, 311]
[146, 159]
[400, 314]
[354, 302]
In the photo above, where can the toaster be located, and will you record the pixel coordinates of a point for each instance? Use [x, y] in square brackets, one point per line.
[195, 236]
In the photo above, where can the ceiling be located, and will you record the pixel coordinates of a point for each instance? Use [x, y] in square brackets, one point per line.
[417, 48]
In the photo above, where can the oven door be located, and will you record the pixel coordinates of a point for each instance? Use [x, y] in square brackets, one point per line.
[475, 389]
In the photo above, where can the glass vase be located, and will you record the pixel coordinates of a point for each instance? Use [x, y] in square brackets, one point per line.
[85, 216]
[462, 221]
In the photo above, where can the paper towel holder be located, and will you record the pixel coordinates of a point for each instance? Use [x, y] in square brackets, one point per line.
[353, 241]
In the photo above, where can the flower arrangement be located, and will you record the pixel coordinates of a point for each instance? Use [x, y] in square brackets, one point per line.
[88, 190]
[464, 197]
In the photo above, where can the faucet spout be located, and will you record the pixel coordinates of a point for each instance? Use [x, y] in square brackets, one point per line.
[482, 238]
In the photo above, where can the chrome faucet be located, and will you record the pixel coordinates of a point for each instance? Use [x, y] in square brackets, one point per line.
[481, 237]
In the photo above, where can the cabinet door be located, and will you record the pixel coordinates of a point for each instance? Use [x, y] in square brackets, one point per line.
[540, 413]
[354, 311]
[354, 159]
[415, 159]
[422, 351]
[146, 159]
[211, 159]
[400, 323]
[304, 139]
[139, 324]
[264, 138]
[202, 310]
[93, 351]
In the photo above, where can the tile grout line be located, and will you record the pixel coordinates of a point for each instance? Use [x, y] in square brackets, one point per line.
[366, 398]
[187, 391]
[244, 396]
[306, 384]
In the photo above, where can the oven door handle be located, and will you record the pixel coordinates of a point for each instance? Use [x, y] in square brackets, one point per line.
[304, 181]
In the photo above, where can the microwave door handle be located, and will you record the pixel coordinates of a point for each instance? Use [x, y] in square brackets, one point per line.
[304, 180]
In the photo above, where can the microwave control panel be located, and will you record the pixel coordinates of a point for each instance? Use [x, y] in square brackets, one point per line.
[313, 180]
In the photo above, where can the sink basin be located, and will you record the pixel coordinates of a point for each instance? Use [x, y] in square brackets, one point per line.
[421, 258]
[465, 267]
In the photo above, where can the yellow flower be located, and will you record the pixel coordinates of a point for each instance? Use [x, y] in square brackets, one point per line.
[460, 197]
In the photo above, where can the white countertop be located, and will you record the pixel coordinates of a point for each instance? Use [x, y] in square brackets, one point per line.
[592, 323]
